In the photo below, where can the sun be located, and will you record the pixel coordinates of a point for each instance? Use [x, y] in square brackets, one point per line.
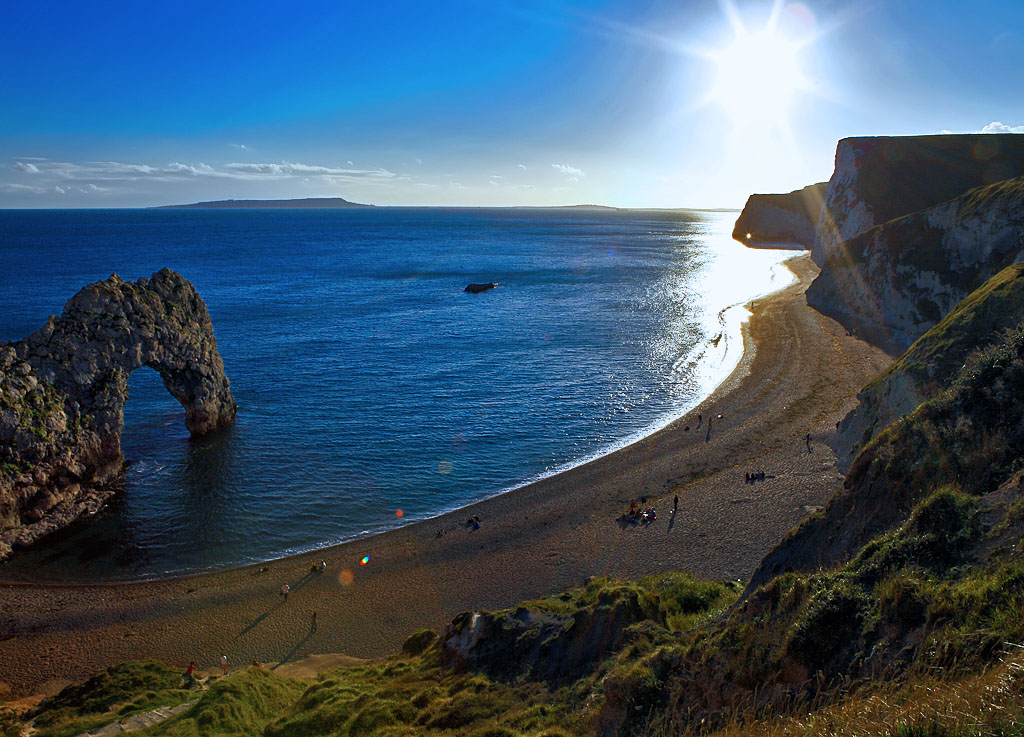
[757, 75]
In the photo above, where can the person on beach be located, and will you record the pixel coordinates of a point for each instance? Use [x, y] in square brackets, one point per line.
[256, 663]
[224, 664]
[190, 679]
[708, 436]
[675, 504]
[312, 622]
[700, 420]
[808, 442]
[285, 589]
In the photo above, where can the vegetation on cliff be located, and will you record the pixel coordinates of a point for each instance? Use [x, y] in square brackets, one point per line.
[933, 361]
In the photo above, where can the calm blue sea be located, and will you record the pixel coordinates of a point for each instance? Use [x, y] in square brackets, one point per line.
[367, 380]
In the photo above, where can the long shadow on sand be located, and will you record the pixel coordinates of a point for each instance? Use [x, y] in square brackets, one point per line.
[295, 649]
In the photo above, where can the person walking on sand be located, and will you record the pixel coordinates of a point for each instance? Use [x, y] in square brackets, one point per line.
[224, 664]
[284, 591]
[312, 622]
[190, 679]
[808, 442]
[675, 504]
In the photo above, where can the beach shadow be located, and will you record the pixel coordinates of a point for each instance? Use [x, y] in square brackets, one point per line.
[249, 627]
[288, 656]
[671, 523]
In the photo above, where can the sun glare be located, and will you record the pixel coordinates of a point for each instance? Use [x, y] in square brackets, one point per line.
[758, 75]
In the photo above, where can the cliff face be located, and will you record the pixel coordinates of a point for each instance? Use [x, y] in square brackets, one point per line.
[893, 282]
[882, 178]
[932, 362]
[781, 218]
[63, 390]
[968, 438]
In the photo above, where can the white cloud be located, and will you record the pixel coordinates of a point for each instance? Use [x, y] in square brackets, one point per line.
[292, 169]
[566, 169]
[996, 127]
[241, 146]
[14, 188]
[522, 166]
[99, 173]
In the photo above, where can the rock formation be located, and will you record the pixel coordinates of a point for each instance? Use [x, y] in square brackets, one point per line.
[932, 361]
[893, 282]
[475, 288]
[777, 219]
[881, 178]
[63, 390]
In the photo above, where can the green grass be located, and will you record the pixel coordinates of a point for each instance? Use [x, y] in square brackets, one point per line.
[241, 704]
[113, 693]
[936, 358]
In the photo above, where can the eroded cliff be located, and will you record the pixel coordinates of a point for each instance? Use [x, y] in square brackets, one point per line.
[895, 281]
[878, 179]
[777, 219]
[63, 391]
[932, 362]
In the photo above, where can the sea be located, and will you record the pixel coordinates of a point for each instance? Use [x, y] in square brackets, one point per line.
[372, 390]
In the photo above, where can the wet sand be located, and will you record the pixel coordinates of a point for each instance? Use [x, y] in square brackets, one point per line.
[799, 374]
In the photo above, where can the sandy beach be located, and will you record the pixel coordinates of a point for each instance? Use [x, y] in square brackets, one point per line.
[799, 374]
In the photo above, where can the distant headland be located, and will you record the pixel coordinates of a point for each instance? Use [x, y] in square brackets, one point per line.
[326, 203]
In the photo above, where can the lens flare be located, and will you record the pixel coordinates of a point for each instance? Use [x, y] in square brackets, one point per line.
[346, 577]
[364, 560]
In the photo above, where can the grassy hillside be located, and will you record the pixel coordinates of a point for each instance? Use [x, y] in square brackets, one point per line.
[933, 361]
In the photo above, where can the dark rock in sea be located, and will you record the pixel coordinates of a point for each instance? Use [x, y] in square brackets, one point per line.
[63, 390]
[477, 288]
[781, 219]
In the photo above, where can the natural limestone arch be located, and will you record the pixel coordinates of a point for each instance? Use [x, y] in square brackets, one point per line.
[63, 391]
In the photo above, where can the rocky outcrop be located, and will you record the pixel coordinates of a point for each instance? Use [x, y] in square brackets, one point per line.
[932, 362]
[776, 219]
[882, 178]
[63, 390]
[893, 282]
[476, 288]
[540, 645]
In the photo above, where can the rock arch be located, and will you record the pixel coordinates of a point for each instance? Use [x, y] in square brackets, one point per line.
[63, 391]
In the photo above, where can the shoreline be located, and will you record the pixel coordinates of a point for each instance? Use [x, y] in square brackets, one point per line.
[715, 364]
[799, 372]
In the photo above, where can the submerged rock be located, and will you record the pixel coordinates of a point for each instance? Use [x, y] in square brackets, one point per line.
[63, 391]
[477, 288]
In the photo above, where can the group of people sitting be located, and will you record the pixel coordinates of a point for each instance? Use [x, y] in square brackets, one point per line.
[643, 515]
[752, 477]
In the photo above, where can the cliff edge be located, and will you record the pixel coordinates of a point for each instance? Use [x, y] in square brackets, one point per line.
[776, 219]
[877, 179]
[63, 391]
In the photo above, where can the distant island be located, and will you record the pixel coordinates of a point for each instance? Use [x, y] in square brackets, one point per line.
[325, 203]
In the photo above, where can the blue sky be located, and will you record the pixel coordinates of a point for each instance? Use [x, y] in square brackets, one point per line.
[474, 102]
